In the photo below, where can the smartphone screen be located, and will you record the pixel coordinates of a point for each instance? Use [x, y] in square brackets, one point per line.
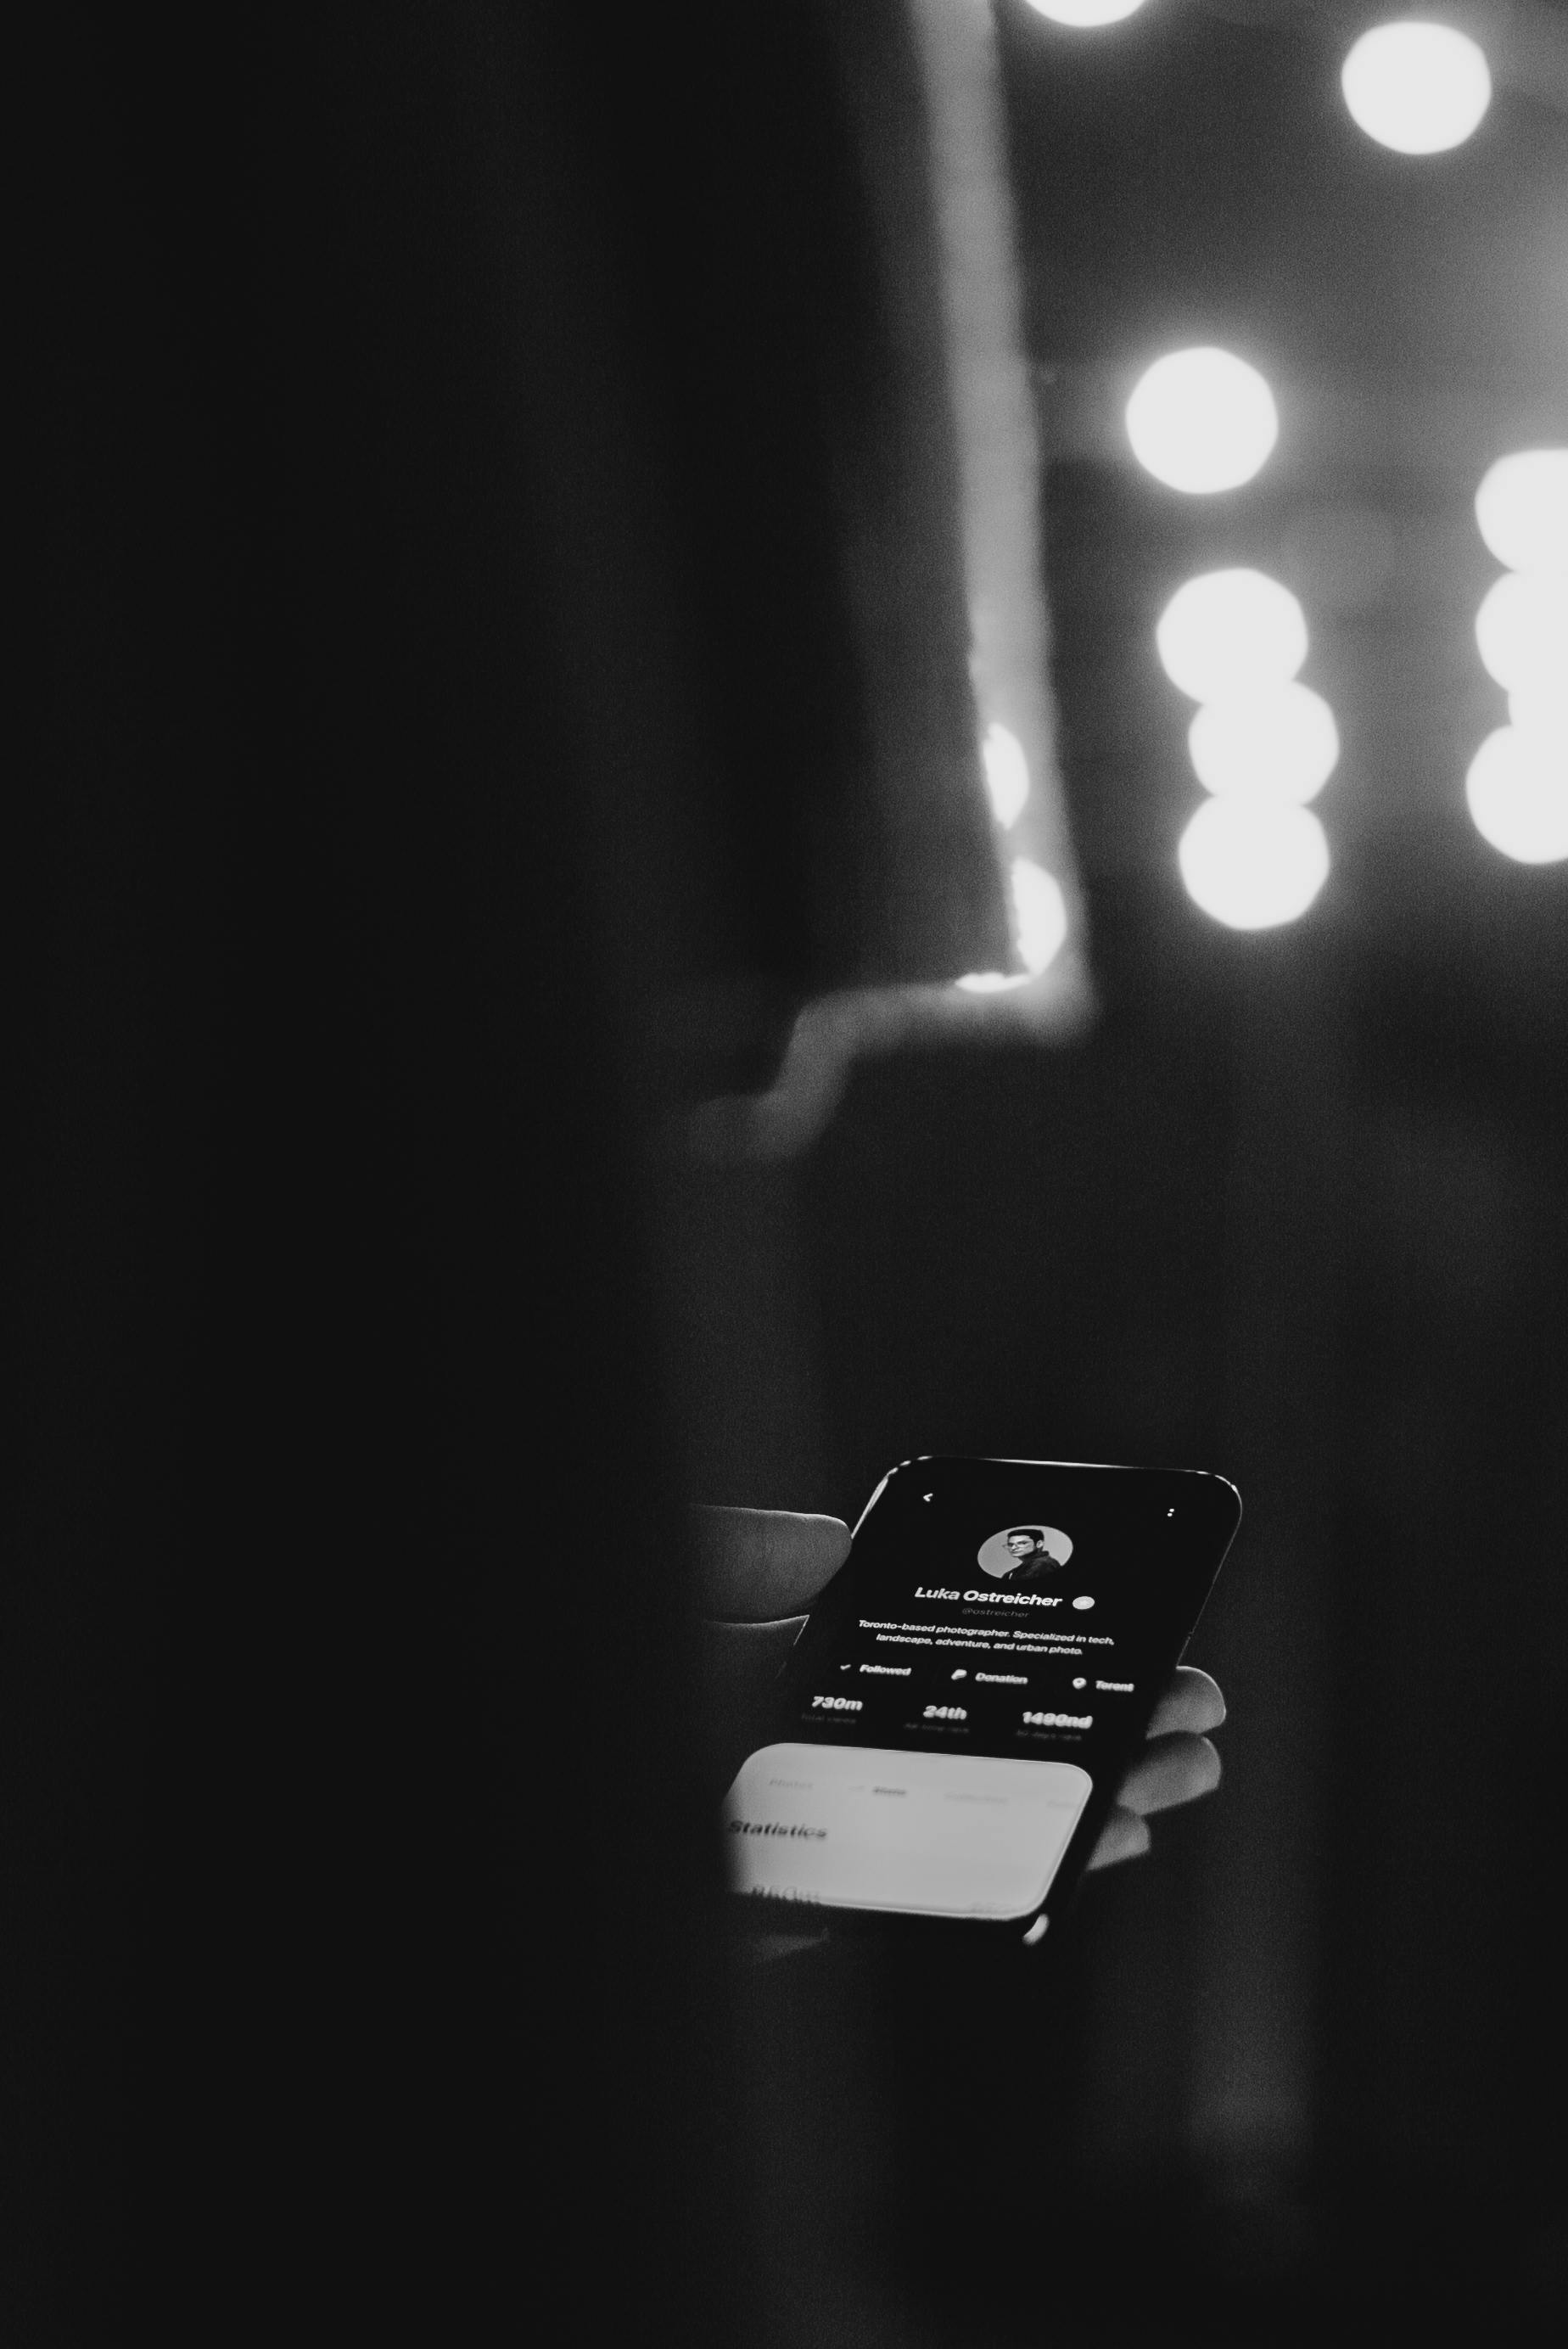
[963, 1700]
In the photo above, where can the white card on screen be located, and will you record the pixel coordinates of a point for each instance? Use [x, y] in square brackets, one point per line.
[927, 1834]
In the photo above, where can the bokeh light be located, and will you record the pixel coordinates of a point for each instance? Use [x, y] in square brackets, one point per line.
[1541, 707]
[1007, 774]
[1253, 864]
[1420, 88]
[1521, 629]
[992, 982]
[1040, 912]
[1283, 745]
[1084, 15]
[1517, 790]
[1202, 421]
[1523, 508]
[1228, 633]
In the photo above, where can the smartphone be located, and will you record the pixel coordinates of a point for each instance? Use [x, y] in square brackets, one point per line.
[963, 1701]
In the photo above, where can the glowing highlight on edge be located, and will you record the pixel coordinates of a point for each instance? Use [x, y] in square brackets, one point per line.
[1006, 775]
[1086, 16]
[1040, 911]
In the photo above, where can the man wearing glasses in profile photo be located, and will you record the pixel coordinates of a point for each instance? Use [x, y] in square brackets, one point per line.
[1026, 1554]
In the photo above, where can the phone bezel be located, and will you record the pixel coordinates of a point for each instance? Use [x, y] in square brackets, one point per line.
[838, 1921]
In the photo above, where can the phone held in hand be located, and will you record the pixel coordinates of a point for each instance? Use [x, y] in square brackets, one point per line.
[965, 1698]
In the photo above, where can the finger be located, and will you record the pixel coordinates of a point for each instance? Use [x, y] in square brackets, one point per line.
[1191, 1702]
[760, 1564]
[1169, 1770]
[741, 1660]
[1124, 1836]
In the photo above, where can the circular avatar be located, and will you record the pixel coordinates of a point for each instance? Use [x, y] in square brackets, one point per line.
[1024, 1553]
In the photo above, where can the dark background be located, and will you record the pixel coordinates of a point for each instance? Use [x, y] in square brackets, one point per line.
[440, 753]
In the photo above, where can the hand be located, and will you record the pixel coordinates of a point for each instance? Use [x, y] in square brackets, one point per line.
[763, 1568]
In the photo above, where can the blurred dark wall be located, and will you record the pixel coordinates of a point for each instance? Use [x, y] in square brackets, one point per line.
[354, 1962]
[469, 448]
[1294, 1213]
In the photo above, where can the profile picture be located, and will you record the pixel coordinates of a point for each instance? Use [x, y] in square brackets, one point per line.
[1024, 1553]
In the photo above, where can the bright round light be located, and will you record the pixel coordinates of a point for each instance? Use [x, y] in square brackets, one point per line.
[1518, 793]
[1419, 88]
[1007, 774]
[1041, 914]
[1082, 14]
[1253, 864]
[1280, 746]
[1202, 421]
[1229, 633]
[1541, 707]
[1521, 629]
[1523, 508]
